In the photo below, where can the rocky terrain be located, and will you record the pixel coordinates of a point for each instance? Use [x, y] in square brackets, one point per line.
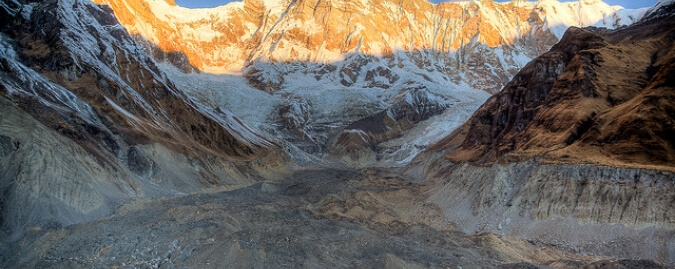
[118, 150]
[315, 218]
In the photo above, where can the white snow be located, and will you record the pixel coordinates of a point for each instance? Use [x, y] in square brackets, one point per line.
[88, 46]
[560, 16]
[34, 84]
[664, 3]
[465, 102]
[178, 14]
[659, 5]
[121, 110]
[231, 92]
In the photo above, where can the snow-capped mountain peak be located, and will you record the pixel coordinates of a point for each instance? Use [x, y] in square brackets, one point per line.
[233, 36]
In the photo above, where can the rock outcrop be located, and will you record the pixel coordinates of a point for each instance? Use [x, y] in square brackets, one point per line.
[348, 53]
[355, 57]
[600, 210]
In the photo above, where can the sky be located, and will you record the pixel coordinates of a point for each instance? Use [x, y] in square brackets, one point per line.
[214, 3]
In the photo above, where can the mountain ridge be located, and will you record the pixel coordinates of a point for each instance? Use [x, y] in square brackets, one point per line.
[242, 36]
[348, 53]
[576, 149]
[506, 23]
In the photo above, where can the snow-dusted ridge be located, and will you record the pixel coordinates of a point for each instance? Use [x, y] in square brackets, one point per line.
[343, 61]
[235, 35]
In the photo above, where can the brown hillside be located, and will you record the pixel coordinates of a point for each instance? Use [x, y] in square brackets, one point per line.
[598, 96]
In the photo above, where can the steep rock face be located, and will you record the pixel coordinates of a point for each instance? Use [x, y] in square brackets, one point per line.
[89, 122]
[122, 80]
[597, 96]
[575, 151]
[489, 40]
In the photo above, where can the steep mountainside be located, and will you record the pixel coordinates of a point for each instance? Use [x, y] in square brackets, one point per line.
[89, 122]
[598, 96]
[577, 150]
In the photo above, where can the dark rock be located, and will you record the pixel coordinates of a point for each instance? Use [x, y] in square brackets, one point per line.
[295, 117]
[413, 105]
[381, 77]
[139, 163]
[6, 146]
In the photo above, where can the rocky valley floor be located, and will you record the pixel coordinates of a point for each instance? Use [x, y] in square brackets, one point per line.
[317, 218]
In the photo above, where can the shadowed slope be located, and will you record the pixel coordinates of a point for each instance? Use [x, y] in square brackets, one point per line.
[89, 123]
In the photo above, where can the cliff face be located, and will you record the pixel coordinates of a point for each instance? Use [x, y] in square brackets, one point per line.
[575, 151]
[89, 122]
[488, 40]
[602, 210]
[598, 96]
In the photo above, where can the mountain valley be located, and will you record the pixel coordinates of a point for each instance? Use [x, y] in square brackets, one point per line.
[324, 133]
